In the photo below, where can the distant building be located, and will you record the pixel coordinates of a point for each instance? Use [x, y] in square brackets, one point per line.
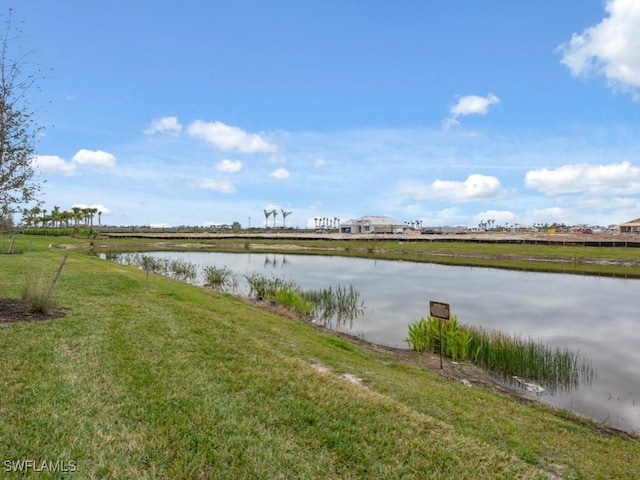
[372, 224]
[630, 227]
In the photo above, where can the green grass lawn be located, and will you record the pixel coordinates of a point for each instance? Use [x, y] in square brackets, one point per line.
[172, 381]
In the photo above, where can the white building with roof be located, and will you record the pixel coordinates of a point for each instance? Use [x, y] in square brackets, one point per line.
[630, 227]
[372, 224]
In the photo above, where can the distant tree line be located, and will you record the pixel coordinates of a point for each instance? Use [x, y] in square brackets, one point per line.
[326, 222]
[56, 218]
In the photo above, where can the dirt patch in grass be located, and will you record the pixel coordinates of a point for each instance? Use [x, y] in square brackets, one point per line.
[16, 310]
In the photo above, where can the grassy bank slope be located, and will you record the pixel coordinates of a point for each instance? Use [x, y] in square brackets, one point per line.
[171, 381]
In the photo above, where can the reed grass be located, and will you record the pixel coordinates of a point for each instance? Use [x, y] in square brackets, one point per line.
[330, 305]
[339, 305]
[175, 268]
[263, 287]
[509, 356]
[220, 279]
[182, 270]
[556, 369]
[293, 300]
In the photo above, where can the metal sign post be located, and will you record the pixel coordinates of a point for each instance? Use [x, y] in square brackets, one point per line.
[441, 311]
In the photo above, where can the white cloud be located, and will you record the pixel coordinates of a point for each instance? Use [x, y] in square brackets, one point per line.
[500, 217]
[54, 164]
[470, 105]
[280, 173]
[167, 125]
[100, 207]
[222, 186]
[475, 188]
[94, 158]
[228, 138]
[229, 166]
[608, 180]
[610, 48]
[319, 162]
[57, 164]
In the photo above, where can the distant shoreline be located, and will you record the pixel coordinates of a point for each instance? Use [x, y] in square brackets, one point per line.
[593, 240]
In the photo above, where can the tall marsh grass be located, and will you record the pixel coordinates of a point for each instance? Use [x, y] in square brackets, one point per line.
[516, 356]
[182, 270]
[220, 279]
[294, 300]
[340, 304]
[265, 288]
[176, 268]
[509, 356]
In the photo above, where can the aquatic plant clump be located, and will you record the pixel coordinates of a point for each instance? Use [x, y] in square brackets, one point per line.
[511, 357]
[182, 270]
[264, 288]
[178, 269]
[340, 303]
[519, 357]
[428, 335]
[220, 279]
[293, 300]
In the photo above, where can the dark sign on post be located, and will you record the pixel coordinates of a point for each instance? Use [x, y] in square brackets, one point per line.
[441, 312]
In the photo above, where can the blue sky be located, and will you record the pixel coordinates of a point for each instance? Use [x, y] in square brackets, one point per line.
[450, 112]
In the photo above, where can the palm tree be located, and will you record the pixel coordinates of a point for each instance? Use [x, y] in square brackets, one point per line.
[266, 218]
[76, 215]
[32, 216]
[284, 217]
[85, 215]
[55, 215]
[66, 216]
[99, 218]
[274, 212]
[92, 212]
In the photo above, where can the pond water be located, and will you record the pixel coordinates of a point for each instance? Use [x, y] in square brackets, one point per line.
[595, 316]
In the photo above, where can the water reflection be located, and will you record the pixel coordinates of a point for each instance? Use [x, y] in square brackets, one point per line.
[594, 316]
